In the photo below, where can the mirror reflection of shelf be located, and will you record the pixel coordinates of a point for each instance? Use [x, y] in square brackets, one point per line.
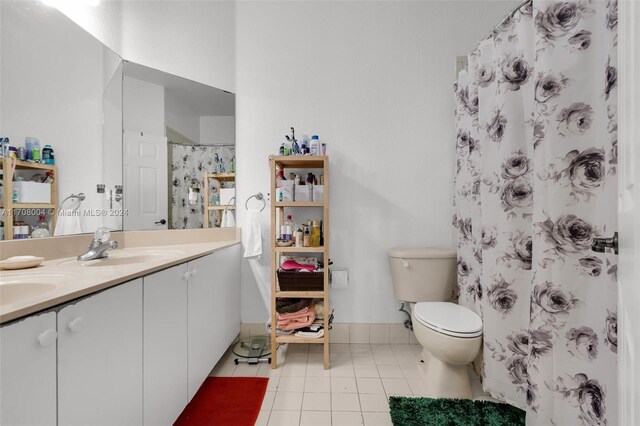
[216, 179]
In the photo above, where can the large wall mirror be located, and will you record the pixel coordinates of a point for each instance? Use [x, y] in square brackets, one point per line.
[178, 151]
[133, 148]
[62, 89]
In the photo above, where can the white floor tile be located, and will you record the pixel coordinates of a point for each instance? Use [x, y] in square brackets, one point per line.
[345, 402]
[294, 369]
[341, 358]
[359, 333]
[381, 349]
[366, 370]
[342, 418]
[263, 418]
[246, 370]
[339, 334]
[342, 370]
[374, 402]
[223, 370]
[296, 357]
[396, 387]
[315, 358]
[317, 384]
[284, 418]
[360, 348]
[379, 333]
[418, 386]
[339, 347]
[377, 419]
[317, 370]
[343, 385]
[363, 358]
[398, 334]
[316, 402]
[287, 401]
[291, 384]
[390, 371]
[385, 358]
[369, 385]
[267, 401]
[317, 348]
[272, 386]
[315, 418]
[298, 348]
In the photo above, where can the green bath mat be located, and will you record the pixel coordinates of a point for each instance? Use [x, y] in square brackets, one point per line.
[452, 412]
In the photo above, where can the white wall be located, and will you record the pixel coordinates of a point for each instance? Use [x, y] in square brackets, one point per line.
[217, 129]
[143, 107]
[180, 117]
[374, 80]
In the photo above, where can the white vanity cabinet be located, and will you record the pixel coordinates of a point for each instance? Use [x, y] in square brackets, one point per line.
[165, 345]
[28, 371]
[100, 358]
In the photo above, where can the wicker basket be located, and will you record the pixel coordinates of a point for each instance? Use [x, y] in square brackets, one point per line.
[300, 281]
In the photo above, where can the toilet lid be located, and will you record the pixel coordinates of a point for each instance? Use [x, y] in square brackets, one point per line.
[448, 318]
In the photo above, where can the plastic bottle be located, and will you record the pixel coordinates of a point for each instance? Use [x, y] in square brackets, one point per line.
[281, 152]
[47, 155]
[35, 152]
[314, 147]
[299, 237]
[288, 229]
[315, 234]
[287, 148]
[306, 238]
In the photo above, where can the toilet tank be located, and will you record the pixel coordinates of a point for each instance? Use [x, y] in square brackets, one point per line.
[423, 274]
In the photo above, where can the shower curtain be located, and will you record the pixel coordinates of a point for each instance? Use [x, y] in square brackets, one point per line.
[536, 156]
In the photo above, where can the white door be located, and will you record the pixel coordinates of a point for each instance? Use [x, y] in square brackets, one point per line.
[165, 345]
[629, 205]
[28, 371]
[100, 358]
[203, 320]
[144, 168]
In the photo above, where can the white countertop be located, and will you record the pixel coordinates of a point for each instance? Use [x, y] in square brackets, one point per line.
[57, 281]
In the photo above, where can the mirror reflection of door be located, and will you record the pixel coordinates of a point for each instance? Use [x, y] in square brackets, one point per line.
[196, 125]
[145, 181]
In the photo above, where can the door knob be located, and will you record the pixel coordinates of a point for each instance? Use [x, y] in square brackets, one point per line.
[161, 222]
[600, 244]
[76, 325]
[47, 337]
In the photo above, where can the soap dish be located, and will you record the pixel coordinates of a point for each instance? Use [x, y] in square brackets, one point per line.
[21, 262]
[284, 243]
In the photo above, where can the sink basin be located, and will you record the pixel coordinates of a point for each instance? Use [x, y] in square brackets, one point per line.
[12, 293]
[128, 256]
[18, 286]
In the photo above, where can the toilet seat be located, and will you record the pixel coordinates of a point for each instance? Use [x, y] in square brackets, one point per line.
[448, 318]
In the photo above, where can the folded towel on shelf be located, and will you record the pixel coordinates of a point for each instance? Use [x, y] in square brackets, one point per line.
[312, 331]
[292, 321]
[286, 306]
[252, 234]
[279, 332]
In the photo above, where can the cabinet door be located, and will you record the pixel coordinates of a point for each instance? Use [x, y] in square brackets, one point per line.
[203, 330]
[28, 371]
[227, 301]
[165, 345]
[100, 358]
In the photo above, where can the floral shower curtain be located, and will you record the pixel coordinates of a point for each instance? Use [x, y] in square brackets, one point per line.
[536, 156]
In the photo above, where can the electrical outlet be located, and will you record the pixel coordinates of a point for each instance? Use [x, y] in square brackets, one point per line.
[339, 278]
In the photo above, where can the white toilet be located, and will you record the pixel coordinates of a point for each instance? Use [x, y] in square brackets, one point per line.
[450, 334]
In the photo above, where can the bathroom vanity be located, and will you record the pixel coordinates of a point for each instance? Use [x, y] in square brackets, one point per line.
[118, 341]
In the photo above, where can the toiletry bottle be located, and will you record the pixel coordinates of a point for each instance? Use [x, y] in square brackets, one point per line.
[306, 238]
[315, 145]
[299, 237]
[47, 155]
[41, 230]
[315, 234]
[289, 227]
[281, 149]
[35, 153]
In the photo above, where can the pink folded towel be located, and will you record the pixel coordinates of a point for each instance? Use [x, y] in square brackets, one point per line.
[295, 320]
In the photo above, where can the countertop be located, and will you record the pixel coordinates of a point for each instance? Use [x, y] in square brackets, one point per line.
[57, 281]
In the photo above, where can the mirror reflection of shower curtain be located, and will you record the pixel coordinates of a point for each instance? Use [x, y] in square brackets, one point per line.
[191, 162]
[536, 163]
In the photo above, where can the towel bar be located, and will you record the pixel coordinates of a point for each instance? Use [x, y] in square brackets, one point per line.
[258, 197]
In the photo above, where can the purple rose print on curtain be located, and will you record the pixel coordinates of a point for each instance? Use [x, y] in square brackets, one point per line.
[536, 176]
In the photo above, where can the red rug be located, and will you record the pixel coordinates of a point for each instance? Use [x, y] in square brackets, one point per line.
[221, 401]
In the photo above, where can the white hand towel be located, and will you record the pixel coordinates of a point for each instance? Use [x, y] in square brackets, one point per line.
[252, 234]
[67, 223]
[228, 221]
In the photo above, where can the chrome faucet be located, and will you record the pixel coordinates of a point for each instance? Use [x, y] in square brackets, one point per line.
[99, 245]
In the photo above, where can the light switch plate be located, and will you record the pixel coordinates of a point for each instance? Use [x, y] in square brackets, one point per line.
[339, 278]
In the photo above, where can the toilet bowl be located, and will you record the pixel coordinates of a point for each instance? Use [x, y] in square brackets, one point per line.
[450, 334]
[451, 337]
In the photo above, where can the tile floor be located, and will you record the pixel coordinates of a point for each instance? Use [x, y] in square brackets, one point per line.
[352, 392]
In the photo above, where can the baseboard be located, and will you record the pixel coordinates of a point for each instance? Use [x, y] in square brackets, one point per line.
[375, 334]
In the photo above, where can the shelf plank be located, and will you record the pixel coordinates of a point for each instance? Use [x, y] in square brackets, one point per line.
[33, 205]
[222, 176]
[299, 161]
[292, 249]
[229, 207]
[296, 339]
[301, 294]
[22, 165]
[299, 204]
